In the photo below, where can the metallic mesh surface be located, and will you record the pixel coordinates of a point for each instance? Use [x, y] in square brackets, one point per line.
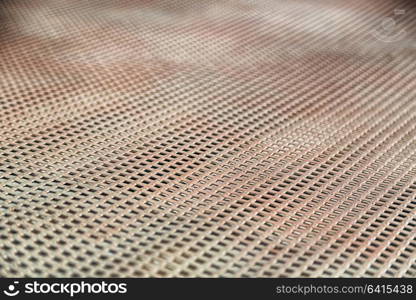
[207, 138]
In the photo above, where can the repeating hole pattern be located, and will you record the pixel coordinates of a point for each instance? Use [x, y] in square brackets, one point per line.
[206, 138]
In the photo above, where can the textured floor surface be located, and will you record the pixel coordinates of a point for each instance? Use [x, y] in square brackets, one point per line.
[207, 138]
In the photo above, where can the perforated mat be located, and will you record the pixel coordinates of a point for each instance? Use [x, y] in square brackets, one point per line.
[207, 138]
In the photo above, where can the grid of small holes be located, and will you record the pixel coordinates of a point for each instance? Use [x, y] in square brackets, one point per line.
[224, 138]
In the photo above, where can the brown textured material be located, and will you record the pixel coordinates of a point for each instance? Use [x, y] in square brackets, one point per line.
[207, 138]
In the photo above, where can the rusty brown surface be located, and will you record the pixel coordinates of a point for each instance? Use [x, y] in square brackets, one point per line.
[207, 138]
